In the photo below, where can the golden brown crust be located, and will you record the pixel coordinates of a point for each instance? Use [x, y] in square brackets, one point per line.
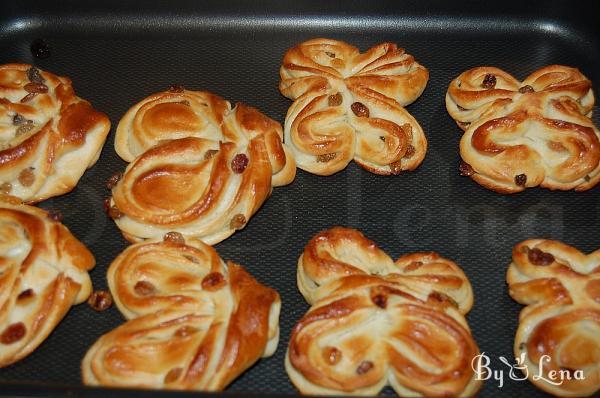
[375, 322]
[561, 288]
[43, 272]
[524, 134]
[50, 136]
[195, 323]
[349, 106]
[202, 168]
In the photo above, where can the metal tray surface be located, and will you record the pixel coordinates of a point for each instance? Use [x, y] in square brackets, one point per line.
[117, 53]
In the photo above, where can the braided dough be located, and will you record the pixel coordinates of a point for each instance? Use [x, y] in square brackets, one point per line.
[349, 105]
[202, 168]
[48, 135]
[195, 323]
[375, 322]
[561, 288]
[43, 272]
[524, 134]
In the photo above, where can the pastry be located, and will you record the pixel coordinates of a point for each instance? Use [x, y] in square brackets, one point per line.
[349, 105]
[48, 135]
[194, 322]
[43, 272]
[202, 168]
[558, 339]
[375, 322]
[523, 134]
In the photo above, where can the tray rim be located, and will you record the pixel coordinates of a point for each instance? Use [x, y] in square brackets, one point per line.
[28, 17]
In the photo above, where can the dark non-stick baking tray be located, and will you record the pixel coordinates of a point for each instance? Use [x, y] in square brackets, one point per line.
[117, 53]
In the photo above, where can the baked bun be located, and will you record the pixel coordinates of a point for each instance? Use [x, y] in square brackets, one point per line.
[375, 322]
[560, 327]
[48, 135]
[43, 272]
[194, 322]
[523, 134]
[203, 169]
[349, 105]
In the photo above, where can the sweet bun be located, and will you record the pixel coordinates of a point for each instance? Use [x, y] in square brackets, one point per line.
[350, 106]
[520, 135]
[48, 135]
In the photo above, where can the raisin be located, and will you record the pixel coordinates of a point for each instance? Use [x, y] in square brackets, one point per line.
[521, 180]
[410, 151]
[26, 177]
[326, 157]
[396, 168]
[173, 375]
[55, 215]
[538, 257]
[37, 88]
[100, 300]
[213, 281]
[176, 88]
[115, 213]
[40, 49]
[210, 154]
[18, 119]
[35, 76]
[379, 300]
[13, 333]
[332, 355]
[587, 178]
[28, 97]
[335, 99]
[489, 81]
[144, 288]
[237, 222]
[239, 163]
[330, 54]
[364, 367]
[360, 109]
[106, 205]
[465, 169]
[526, 89]
[113, 180]
[25, 294]
[382, 138]
[6, 188]
[174, 237]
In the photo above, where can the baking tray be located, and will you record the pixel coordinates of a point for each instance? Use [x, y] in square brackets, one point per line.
[117, 53]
